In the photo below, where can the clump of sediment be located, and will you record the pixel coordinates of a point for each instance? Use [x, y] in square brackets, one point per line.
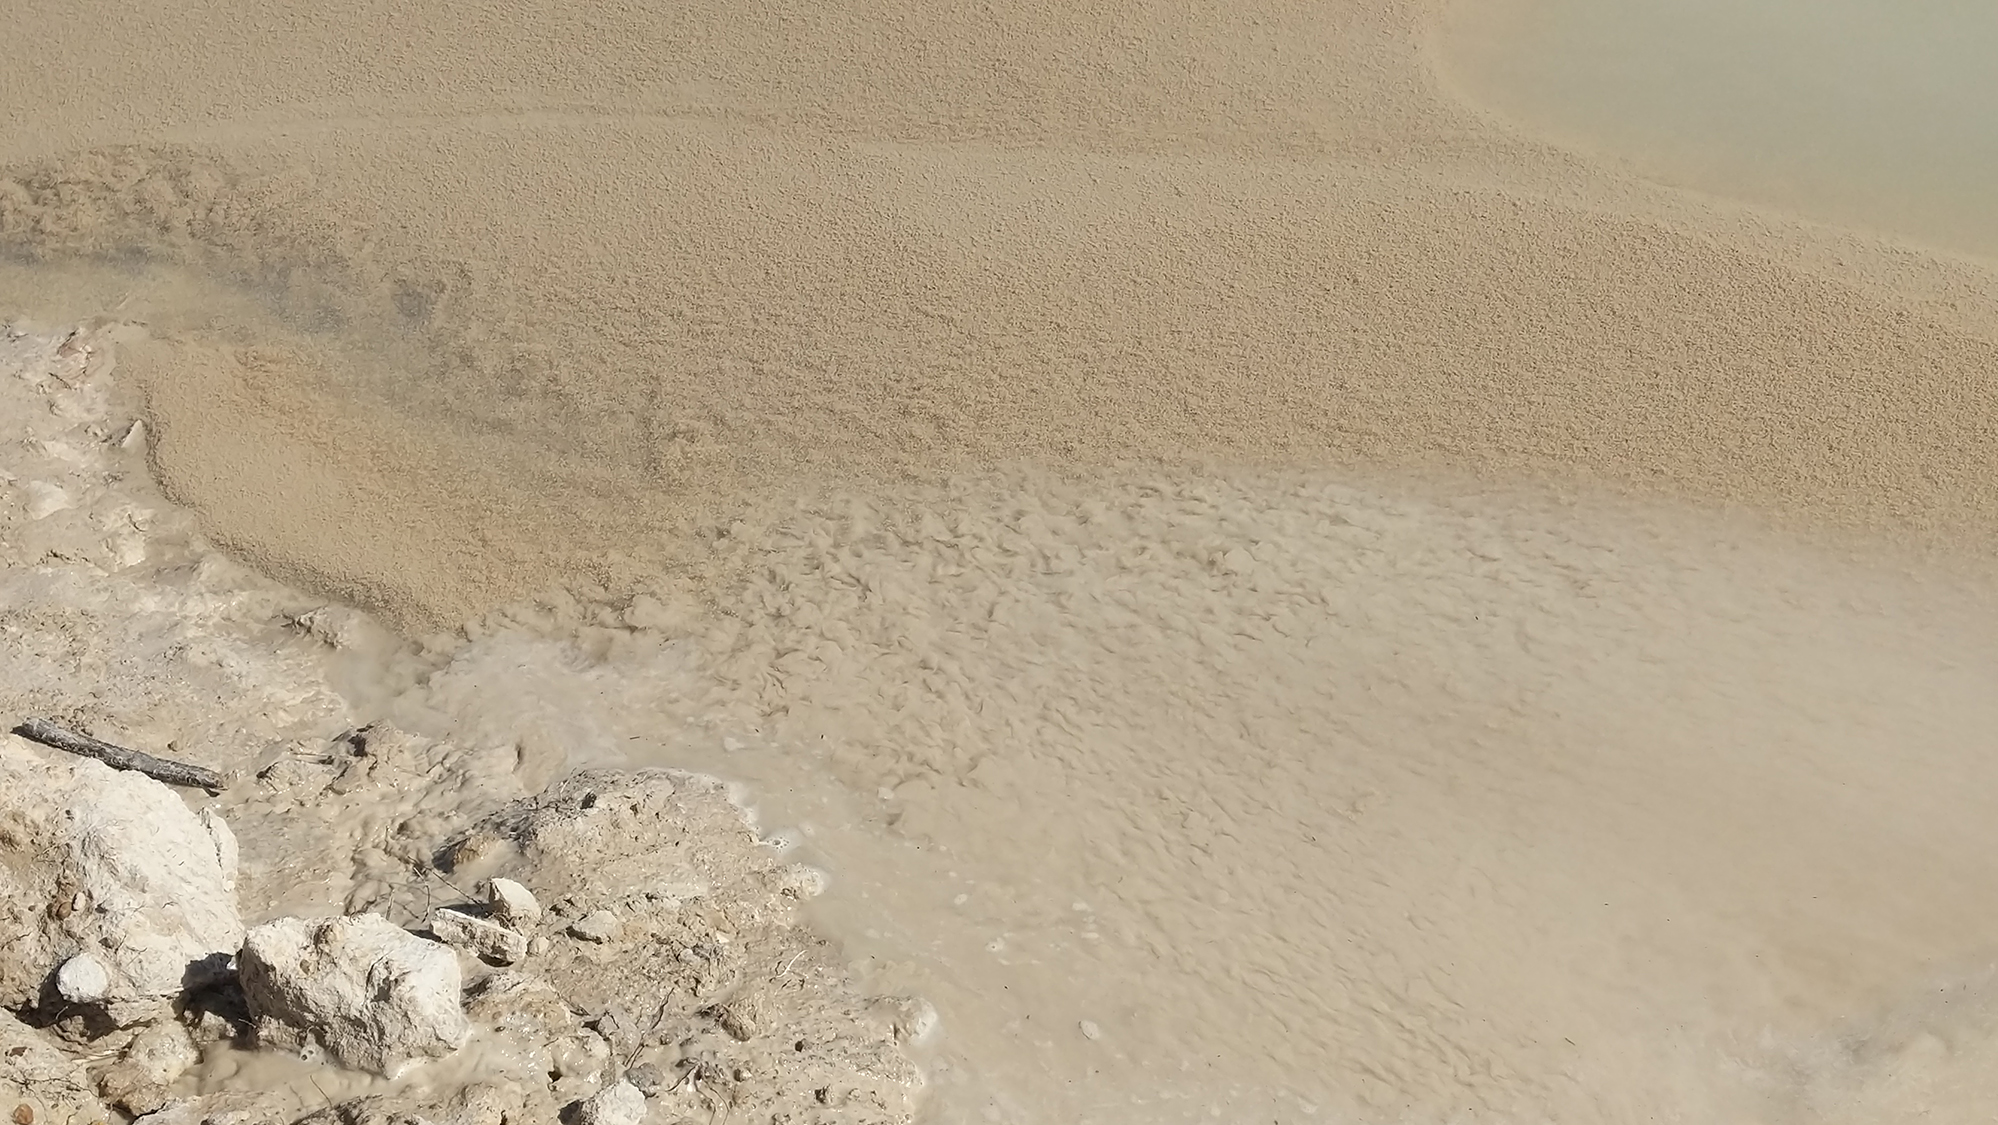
[363, 923]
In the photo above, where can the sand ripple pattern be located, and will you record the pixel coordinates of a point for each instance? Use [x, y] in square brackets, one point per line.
[1397, 806]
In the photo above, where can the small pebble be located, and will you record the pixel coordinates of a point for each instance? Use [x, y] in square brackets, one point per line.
[82, 979]
[619, 1104]
[649, 1079]
[1090, 1030]
[513, 904]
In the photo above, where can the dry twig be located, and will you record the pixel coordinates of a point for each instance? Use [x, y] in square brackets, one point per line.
[119, 758]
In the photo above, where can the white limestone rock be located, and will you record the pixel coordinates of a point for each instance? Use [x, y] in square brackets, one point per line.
[599, 926]
[110, 878]
[618, 1104]
[483, 937]
[83, 979]
[513, 905]
[370, 994]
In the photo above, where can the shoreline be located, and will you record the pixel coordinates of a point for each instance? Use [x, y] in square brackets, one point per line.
[1049, 526]
[120, 618]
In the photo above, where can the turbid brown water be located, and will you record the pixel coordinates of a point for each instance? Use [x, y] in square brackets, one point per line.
[1122, 436]
[621, 264]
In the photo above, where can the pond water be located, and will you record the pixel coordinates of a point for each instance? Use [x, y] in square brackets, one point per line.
[1021, 442]
[1881, 114]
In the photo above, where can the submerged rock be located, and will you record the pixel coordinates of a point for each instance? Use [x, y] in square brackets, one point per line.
[523, 1007]
[370, 994]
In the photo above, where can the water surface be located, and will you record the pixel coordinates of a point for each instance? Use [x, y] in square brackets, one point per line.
[1874, 113]
[956, 408]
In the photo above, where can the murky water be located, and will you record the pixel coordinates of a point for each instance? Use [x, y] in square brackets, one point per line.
[952, 423]
[1877, 113]
[1261, 800]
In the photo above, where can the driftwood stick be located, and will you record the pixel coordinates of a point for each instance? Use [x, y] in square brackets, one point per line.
[119, 758]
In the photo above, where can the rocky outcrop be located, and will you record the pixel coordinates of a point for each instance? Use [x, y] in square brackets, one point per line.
[667, 973]
[686, 982]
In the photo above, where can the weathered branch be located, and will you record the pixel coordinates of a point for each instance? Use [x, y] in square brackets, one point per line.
[117, 757]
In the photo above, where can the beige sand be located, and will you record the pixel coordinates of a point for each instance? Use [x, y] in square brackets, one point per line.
[1401, 808]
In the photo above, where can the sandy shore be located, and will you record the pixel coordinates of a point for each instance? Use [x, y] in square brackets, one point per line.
[1276, 592]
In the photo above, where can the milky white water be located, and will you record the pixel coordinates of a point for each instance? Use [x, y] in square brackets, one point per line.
[1876, 113]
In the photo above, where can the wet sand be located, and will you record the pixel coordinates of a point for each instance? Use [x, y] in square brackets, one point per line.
[1464, 629]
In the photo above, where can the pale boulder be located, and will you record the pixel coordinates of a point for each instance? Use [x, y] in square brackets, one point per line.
[599, 926]
[370, 994]
[83, 979]
[152, 1063]
[113, 868]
